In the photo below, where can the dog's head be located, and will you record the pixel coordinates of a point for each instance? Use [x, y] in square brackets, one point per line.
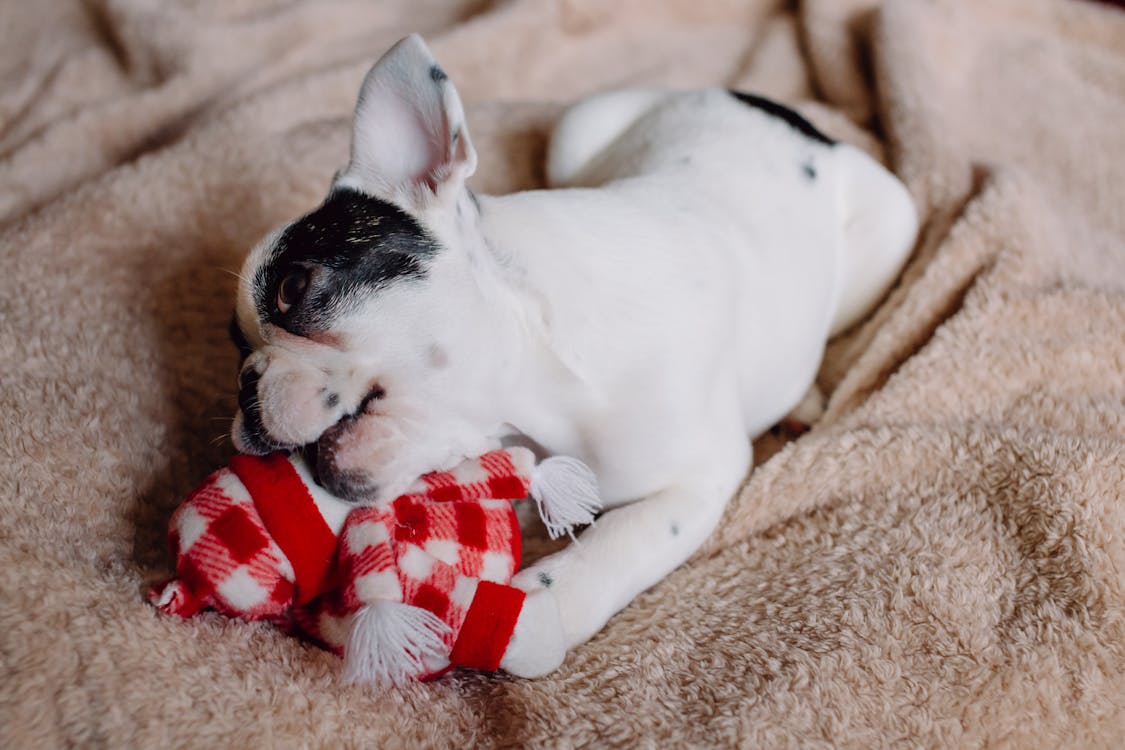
[362, 324]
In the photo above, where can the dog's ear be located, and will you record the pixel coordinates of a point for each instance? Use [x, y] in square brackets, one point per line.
[409, 140]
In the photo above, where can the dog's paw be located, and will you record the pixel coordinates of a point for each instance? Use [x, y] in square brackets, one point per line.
[537, 646]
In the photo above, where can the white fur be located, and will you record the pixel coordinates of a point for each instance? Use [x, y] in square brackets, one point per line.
[670, 303]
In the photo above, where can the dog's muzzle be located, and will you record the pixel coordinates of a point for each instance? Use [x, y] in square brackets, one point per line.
[252, 435]
[349, 485]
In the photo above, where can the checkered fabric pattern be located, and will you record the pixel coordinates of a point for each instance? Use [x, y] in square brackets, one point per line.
[258, 540]
[430, 548]
[225, 558]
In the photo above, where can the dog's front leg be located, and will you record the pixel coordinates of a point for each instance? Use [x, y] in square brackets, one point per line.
[572, 593]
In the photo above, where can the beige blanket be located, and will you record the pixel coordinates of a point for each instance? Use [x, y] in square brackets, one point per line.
[939, 563]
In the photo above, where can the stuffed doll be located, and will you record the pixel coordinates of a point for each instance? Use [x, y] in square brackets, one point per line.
[403, 590]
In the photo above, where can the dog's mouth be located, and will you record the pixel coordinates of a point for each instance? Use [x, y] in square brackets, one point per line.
[347, 484]
[252, 434]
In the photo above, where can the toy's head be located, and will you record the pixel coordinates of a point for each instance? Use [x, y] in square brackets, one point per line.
[253, 539]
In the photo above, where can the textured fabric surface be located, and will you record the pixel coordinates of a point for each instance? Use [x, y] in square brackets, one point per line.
[938, 563]
[251, 542]
[429, 548]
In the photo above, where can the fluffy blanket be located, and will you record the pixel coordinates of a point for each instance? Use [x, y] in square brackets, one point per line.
[938, 563]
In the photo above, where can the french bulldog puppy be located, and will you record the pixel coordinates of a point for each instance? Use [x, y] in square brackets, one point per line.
[666, 301]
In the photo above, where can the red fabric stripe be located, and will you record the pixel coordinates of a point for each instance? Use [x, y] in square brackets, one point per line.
[432, 598]
[488, 627]
[242, 537]
[193, 579]
[411, 521]
[471, 525]
[447, 493]
[504, 480]
[442, 487]
[291, 517]
[514, 488]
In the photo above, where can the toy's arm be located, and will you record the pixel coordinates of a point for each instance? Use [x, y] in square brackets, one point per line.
[499, 475]
[564, 489]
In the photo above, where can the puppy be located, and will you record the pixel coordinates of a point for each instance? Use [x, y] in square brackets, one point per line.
[666, 302]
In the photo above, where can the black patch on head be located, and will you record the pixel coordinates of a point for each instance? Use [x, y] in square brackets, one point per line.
[437, 75]
[545, 580]
[675, 529]
[809, 169]
[350, 246]
[331, 400]
[792, 118]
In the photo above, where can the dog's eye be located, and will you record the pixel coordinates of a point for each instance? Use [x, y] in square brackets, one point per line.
[291, 289]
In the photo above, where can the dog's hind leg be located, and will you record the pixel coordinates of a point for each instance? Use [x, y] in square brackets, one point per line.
[586, 129]
[879, 228]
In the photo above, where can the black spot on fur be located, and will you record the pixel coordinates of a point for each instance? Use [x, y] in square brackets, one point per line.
[437, 75]
[351, 245]
[809, 169]
[675, 529]
[546, 580]
[792, 118]
[331, 400]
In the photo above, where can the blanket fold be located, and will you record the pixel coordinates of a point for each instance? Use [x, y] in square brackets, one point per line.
[938, 563]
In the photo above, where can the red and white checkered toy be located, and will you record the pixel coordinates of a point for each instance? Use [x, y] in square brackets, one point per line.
[404, 590]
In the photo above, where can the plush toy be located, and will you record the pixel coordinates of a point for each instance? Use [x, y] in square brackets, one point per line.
[401, 591]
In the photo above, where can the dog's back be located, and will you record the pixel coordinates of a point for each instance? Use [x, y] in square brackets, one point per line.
[823, 229]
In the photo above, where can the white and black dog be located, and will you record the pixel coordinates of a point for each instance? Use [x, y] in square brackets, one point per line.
[667, 301]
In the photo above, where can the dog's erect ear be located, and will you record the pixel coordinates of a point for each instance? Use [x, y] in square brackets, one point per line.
[409, 140]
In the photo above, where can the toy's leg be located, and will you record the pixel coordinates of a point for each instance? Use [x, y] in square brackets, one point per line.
[537, 645]
[572, 593]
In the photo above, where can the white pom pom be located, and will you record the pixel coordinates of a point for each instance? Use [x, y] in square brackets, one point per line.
[392, 643]
[566, 492]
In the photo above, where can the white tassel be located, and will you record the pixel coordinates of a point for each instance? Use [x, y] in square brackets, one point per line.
[392, 643]
[566, 493]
